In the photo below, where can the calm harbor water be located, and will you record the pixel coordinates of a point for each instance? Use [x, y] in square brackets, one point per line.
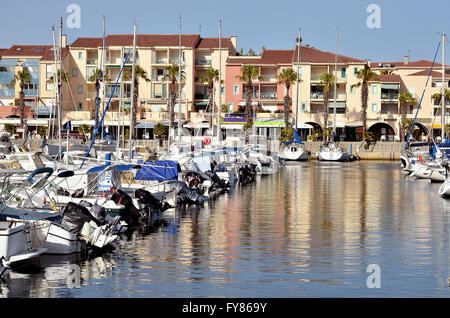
[309, 231]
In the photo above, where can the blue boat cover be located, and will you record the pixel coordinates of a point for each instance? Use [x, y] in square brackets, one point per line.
[160, 170]
[47, 170]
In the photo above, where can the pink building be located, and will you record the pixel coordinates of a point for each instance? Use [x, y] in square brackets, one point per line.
[267, 92]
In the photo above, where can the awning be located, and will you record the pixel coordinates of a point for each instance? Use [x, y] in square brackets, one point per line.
[269, 124]
[355, 124]
[196, 125]
[437, 126]
[233, 126]
[145, 125]
[390, 86]
[243, 103]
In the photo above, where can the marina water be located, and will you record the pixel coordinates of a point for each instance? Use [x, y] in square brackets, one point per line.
[311, 230]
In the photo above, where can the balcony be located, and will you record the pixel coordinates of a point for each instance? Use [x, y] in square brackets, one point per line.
[31, 92]
[269, 78]
[389, 96]
[160, 60]
[7, 93]
[315, 77]
[201, 96]
[45, 110]
[91, 61]
[269, 95]
[203, 62]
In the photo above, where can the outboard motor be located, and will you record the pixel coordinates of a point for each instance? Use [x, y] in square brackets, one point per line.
[186, 194]
[147, 199]
[131, 214]
[74, 216]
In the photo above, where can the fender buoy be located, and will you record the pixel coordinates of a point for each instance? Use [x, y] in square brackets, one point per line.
[207, 141]
[194, 182]
[420, 158]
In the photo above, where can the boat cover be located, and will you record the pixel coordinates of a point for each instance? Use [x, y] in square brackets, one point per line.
[160, 170]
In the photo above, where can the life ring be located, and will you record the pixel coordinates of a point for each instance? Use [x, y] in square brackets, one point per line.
[194, 182]
[207, 141]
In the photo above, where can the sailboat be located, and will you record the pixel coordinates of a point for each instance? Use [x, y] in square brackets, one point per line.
[294, 150]
[331, 152]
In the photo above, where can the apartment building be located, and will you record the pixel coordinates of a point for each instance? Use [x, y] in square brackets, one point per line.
[154, 53]
[39, 93]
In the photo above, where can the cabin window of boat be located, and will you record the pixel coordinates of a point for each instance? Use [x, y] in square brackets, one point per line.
[235, 89]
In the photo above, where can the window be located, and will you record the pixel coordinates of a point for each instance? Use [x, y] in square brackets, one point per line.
[355, 71]
[48, 86]
[223, 90]
[284, 91]
[411, 90]
[74, 72]
[235, 89]
[230, 107]
[80, 89]
[48, 71]
[352, 89]
[411, 109]
[343, 72]
[80, 55]
[303, 109]
[80, 106]
[374, 107]
[375, 89]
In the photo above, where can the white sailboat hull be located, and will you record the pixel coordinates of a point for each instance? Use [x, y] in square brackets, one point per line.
[332, 156]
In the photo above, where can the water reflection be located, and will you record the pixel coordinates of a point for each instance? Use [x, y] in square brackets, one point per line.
[311, 230]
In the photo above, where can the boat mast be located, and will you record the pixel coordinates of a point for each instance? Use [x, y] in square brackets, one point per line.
[335, 83]
[132, 92]
[219, 111]
[103, 71]
[443, 90]
[119, 115]
[55, 77]
[298, 75]
[179, 82]
[59, 84]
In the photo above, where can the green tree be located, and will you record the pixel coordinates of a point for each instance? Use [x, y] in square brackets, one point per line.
[248, 74]
[139, 73]
[97, 77]
[64, 77]
[365, 76]
[23, 76]
[84, 129]
[10, 128]
[327, 81]
[287, 77]
[161, 131]
[211, 76]
[173, 72]
[405, 99]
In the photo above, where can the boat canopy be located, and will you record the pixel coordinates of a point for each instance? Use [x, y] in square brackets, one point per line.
[160, 170]
[47, 170]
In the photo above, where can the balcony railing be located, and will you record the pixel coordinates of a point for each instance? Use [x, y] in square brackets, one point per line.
[7, 93]
[201, 96]
[390, 96]
[91, 61]
[31, 92]
[203, 62]
[269, 95]
[317, 95]
[160, 60]
[45, 110]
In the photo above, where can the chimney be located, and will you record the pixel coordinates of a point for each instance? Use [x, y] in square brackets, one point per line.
[233, 39]
[406, 60]
[64, 40]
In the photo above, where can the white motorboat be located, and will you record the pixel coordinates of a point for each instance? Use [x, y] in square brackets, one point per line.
[15, 245]
[332, 153]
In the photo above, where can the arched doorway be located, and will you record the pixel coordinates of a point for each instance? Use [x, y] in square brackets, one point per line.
[380, 130]
[314, 133]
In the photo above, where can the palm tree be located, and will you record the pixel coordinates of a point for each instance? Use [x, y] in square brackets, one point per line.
[248, 74]
[210, 77]
[286, 77]
[64, 77]
[405, 99]
[386, 72]
[172, 76]
[365, 75]
[326, 80]
[22, 77]
[97, 77]
[139, 73]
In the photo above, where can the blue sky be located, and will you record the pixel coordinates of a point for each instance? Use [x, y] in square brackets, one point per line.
[414, 24]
